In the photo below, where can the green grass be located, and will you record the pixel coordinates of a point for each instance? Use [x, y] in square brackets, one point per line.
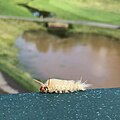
[94, 10]
[106, 11]
[112, 33]
[107, 5]
[22, 78]
[9, 7]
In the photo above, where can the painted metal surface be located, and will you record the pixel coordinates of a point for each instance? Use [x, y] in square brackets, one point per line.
[97, 104]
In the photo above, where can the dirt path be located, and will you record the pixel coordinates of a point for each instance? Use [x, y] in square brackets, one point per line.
[89, 23]
[7, 85]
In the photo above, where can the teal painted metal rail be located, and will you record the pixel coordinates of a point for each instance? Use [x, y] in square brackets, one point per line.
[98, 104]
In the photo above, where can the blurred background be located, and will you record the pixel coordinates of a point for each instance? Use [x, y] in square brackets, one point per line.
[62, 39]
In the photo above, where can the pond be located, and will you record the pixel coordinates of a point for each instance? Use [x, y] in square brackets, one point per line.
[96, 58]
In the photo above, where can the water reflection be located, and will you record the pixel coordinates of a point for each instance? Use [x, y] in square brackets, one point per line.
[45, 56]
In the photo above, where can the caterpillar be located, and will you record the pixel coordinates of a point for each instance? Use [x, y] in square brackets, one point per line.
[61, 86]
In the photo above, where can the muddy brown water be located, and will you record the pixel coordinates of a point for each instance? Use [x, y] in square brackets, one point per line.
[96, 58]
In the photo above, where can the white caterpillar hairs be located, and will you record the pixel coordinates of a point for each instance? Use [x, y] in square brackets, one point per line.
[62, 86]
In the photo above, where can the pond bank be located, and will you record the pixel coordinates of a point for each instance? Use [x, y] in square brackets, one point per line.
[107, 30]
[8, 52]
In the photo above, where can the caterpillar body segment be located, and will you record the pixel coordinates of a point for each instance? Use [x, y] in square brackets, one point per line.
[62, 86]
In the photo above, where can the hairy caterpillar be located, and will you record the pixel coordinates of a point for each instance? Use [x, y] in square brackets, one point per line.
[61, 86]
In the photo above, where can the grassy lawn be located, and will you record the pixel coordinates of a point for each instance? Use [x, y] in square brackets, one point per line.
[9, 7]
[98, 31]
[94, 10]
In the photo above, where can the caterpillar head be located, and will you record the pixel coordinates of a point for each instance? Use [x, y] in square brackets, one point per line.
[43, 87]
